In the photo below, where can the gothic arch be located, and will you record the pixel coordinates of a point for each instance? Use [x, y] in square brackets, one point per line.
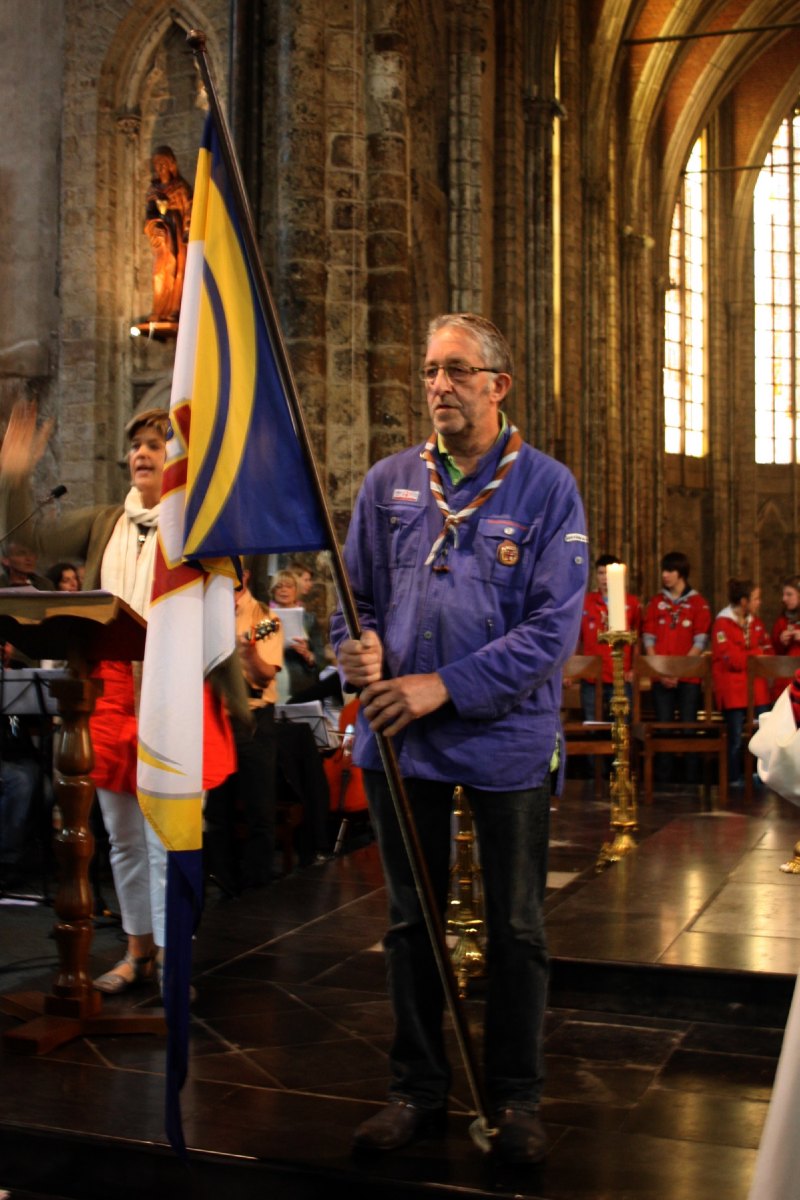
[132, 90]
[731, 61]
[137, 39]
[663, 64]
[605, 67]
[779, 108]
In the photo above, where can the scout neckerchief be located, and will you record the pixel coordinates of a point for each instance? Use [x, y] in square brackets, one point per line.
[453, 519]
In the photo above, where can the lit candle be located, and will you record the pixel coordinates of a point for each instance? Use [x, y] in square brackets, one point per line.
[617, 616]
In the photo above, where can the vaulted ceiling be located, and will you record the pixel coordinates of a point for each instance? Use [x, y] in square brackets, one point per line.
[675, 62]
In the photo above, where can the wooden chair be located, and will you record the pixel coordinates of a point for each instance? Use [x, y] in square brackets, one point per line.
[592, 739]
[771, 667]
[707, 735]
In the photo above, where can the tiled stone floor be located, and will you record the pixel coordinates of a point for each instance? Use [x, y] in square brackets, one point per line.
[672, 975]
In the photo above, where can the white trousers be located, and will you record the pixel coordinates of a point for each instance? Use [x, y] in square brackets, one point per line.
[138, 864]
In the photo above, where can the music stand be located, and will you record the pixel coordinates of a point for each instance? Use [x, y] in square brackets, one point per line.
[81, 628]
[312, 714]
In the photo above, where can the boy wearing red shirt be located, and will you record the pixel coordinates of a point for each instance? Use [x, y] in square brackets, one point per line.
[594, 621]
[676, 622]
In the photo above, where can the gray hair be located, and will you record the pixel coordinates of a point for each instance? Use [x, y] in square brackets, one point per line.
[494, 347]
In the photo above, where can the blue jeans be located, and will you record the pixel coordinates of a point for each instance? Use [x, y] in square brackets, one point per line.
[684, 699]
[17, 786]
[512, 830]
[587, 700]
[734, 720]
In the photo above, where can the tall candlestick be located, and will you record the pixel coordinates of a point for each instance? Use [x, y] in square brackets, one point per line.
[617, 615]
[623, 786]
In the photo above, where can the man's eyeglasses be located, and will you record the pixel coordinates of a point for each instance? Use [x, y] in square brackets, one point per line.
[455, 372]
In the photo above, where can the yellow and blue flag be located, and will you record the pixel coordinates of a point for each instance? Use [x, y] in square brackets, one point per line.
[248, 487]
[236, 481]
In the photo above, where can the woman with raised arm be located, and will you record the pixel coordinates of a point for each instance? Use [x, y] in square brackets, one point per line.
[118, 544]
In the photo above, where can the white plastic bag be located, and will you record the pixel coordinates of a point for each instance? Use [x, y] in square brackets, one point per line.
[776, 746]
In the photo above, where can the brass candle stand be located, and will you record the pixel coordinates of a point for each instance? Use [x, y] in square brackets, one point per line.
[465, 905]
[623, 786]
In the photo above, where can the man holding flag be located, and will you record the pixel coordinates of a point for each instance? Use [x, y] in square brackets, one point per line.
[468, 561]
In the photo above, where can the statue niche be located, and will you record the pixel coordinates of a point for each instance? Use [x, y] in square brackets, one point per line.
[168, 211]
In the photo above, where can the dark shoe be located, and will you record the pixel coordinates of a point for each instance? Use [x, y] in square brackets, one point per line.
[398, 1124]
[520, 1136]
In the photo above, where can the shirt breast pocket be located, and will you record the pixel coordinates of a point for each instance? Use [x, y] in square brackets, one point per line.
[502, 549]
[401, 527]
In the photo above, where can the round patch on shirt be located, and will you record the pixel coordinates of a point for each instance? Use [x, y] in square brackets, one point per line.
[508, 554]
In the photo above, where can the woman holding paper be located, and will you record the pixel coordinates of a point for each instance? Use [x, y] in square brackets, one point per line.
[299, 660]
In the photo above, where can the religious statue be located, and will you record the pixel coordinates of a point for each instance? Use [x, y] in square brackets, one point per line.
[167, 216]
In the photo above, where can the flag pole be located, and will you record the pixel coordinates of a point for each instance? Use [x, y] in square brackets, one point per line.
[480, 1129]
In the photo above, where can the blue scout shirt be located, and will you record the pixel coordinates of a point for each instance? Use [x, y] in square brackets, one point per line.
[497, 625]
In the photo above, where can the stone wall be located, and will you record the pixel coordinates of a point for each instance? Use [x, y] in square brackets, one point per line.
[401, 160]
[31, 83]
[93, 87]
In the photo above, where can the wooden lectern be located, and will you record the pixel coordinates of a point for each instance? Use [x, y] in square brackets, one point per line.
[81, 628]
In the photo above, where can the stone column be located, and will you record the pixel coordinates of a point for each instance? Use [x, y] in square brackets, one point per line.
[346, 301]
[541, 109]
[641, 428]
[249, 30]
[468, 61]
[596, 417]
[391, 354]
[575, 416]
[508, 303]
[301, 250]
[539, 116]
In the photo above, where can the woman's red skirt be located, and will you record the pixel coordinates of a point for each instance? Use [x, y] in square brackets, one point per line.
[113, 730]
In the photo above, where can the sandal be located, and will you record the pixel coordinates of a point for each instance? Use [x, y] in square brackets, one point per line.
[115, 981]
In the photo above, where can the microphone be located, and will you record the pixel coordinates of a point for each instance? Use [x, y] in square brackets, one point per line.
[56, 494]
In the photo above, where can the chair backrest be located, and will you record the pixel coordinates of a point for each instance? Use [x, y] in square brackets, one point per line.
[770, 667]
[649, 668]
[586, 668]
